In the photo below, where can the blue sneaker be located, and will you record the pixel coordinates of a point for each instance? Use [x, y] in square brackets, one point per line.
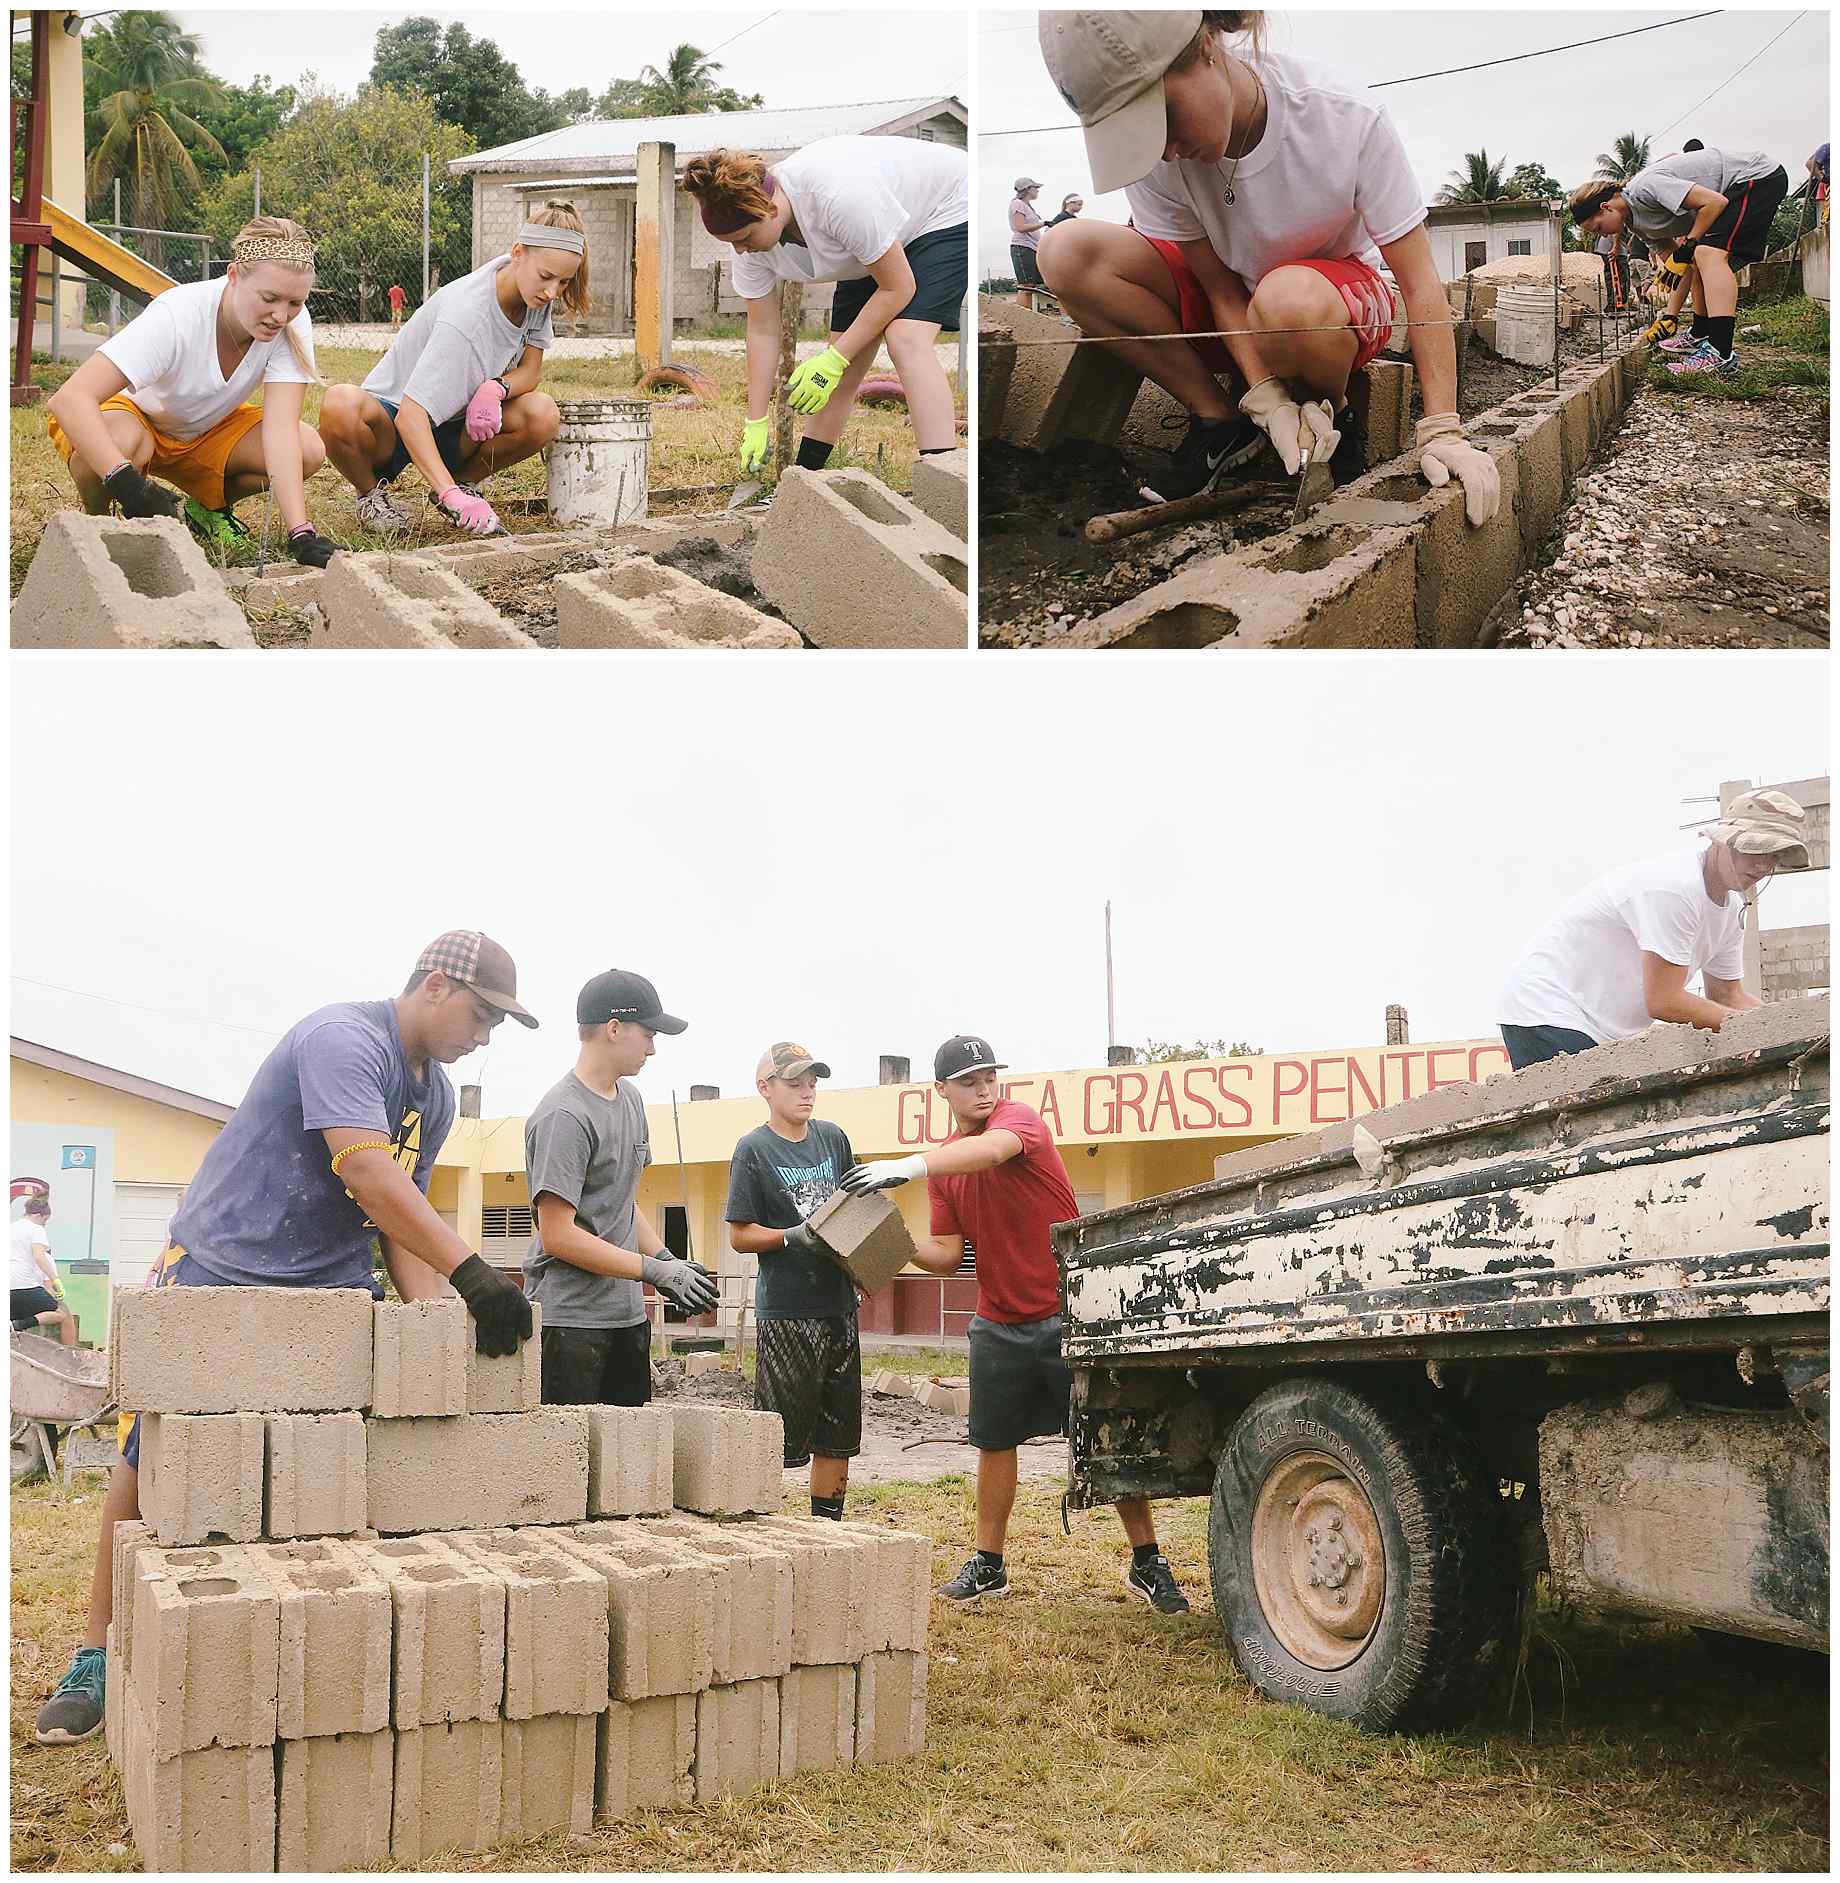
[74, 1711]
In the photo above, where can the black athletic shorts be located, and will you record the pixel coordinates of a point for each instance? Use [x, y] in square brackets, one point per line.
[1025, 265]
[29, 1304]
[1743, 227]
[1529, 1045]
[809, 1371]
[597, 1366]
[1020, 1385]
[450, 441]
[941, 263]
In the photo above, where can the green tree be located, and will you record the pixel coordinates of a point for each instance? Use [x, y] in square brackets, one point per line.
[350, 171]
[1160, 1052]
[1629, 156]
[1479, 181]
[1532, 179]
[686, 86]
[244, 117]
[471, 82]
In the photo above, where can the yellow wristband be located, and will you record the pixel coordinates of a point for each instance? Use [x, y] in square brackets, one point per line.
[366, 1144]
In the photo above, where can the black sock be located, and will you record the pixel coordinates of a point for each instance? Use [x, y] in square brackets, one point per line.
[993, 1557]
[1701, 326]
[1142, 1553]
[813, 454]
[831, 1507]
[1718, 331]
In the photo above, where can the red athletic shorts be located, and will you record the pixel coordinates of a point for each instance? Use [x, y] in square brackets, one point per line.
[1366, 296]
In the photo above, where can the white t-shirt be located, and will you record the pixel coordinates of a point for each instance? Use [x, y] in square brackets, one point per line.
[1329, 178]
[1584, 968]
[855, 198]
[28, 1234]
[169, 357]
[1029, 234]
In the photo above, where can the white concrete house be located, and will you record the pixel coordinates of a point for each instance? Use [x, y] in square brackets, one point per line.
[1471, 235]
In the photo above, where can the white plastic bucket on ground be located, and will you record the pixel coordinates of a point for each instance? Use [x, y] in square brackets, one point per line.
[1524, 323]
[598, 464]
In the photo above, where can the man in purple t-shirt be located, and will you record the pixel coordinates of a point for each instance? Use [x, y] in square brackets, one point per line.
[328, 1157]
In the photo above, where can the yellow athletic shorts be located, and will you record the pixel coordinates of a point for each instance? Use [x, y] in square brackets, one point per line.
[195, 465]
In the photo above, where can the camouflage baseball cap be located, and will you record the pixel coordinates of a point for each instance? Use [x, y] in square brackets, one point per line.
[477, 962]
[1766, 823]
[785, 1059]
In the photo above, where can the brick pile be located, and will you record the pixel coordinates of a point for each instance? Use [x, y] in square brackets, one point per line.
[381, 1603]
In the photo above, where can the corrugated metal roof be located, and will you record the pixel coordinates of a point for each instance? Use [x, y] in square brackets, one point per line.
[607, 140]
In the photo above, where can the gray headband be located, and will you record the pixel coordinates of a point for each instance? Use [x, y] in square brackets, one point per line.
[541, 235]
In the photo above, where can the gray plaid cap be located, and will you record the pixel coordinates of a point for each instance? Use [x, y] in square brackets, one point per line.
[478, 963]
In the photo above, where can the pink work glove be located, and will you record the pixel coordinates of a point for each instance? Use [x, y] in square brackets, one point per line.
[485, 412]
[469, 510]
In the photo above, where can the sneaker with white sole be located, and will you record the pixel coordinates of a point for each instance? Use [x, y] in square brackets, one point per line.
[74, 1711]
[976, 1580]
[380, 513]
[1706, 358]
[1679, 346]
[1154, 1582]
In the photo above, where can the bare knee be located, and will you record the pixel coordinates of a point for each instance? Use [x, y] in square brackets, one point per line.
[340, 413]
[1066, 253]
[911, 347]
[542, 418]
[312, 450]
[1296, 297]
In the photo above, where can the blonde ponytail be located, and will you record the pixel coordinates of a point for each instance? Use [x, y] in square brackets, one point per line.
[278, 242]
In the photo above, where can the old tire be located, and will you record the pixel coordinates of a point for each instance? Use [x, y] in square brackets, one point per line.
[1360, 1557]
[881, 389]
[680, 378]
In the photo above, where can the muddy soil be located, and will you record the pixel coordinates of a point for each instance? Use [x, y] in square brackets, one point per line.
[528, 600]
[729, 570]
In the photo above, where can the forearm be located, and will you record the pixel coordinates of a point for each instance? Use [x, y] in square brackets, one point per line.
[281, 456]
[963, 1156]
[1434, 347]
[47, 1268]
[763, 335]
[582, 1249]
[1231, 307]
[524, 377]
[413, 1279]
[417, 433]
[756, 1239]
[648, 1239]
[866, 330]
[1689, 1010]
[387, 1195]
[937, 1257]
[88, 431]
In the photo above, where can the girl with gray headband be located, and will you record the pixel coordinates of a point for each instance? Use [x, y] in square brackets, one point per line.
[457, 393]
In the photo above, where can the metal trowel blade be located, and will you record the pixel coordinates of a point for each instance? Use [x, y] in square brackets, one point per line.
[1318, 483]
[744, 494]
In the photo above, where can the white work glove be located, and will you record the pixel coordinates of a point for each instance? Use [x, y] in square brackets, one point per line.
[860, 1179]
[1292, 428]
[1442, 454]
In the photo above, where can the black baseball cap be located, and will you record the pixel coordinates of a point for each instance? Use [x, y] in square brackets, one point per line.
[962, 1053]
[617, 995]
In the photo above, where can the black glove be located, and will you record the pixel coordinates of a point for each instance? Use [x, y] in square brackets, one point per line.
[137, 497]
[307, 545]
[686, 1285]
[500, 1311]
[1683, 249]
[802, 1239]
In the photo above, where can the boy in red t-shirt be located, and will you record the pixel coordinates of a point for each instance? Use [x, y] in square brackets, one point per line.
[398, 301]
[999, 1184]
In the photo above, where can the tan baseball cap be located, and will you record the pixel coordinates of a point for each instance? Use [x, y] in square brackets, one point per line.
[1766, 823]
[1109, 67]
[785, 1059]
[478, 962]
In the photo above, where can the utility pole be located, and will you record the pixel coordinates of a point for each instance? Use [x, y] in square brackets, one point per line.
[1111, 1018]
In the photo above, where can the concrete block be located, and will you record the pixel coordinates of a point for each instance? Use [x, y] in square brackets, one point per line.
[854, 564]
[630, 1452]
[946, 1396]
[867, 1234]
[726, 1462]
[644, 1756]
[389, 600]
[115, 582]
[448, 1641]
[996, 368]
[636, 602]
[737, 1738]
[901, 1593]
[751, 1607]
[336, 1796]
[664, 1601]
[491, 1472]
[890, 1707]
[1058, 390]
[128, 1539]
[449, 1789]
[549, 1775]
[116, 1678]
[886, 1384]
[419, 1359]
[833, 1583]
[1340, 581]
[335, 1641]
[511, 1382]
[241, 1349]
[817, 1719]
[316, 1477]
[207, 1642]
[201, 1476]
[210, 1810]
[696, 1365]
[1540, 467]
[1381, 394]
[942, 488]
[556, 1631]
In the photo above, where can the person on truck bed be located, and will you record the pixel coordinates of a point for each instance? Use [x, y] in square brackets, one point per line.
[998, 1183]
[1619, 955]
[328, 1156]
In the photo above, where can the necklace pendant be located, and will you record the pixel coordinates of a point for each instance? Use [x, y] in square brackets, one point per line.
[1226, 196]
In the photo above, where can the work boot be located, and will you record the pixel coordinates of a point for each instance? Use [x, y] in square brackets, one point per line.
[1154, 1582]
[1210, 448]
[975, 1580]
[380, 513]
[74, 1711]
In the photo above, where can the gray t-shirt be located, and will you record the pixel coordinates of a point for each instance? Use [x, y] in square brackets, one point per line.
[458, 339]
[590, 1152]
[1657, 196]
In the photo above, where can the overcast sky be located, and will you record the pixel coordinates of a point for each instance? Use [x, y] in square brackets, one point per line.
[866, 854]
[1559, 111]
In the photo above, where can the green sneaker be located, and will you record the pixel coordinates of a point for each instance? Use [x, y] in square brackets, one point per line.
[74, 1711]
[214, 526]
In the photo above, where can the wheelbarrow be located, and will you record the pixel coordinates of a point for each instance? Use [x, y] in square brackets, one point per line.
[55, 1388]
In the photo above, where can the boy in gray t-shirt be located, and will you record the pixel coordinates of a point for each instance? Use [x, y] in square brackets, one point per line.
[585, 1149]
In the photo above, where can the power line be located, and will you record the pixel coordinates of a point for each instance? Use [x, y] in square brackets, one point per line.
[168, 1013]
[730, 40]
[1752, 60]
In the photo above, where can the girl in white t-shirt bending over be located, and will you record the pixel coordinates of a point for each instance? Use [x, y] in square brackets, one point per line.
[1264, 193]
[171, 396]
[883, 217]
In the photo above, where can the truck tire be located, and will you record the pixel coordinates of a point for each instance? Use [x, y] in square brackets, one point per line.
[1360, 1557]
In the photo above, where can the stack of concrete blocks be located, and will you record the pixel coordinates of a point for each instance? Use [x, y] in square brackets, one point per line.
[381, 1603]
[1037, 389]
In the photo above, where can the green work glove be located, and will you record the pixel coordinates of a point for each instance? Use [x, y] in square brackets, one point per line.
[1662, 327]
[811, 385]
[755, 440]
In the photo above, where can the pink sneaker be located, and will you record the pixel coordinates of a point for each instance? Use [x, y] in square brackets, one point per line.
[1682, 343]
[1706, 358]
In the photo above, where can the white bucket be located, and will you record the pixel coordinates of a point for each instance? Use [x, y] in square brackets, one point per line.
[1524, 323]
[597, 466]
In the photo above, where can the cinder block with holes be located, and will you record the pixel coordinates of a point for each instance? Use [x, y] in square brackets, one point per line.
[448, 1640]
[901, 1593]
[1059, 390]
[630, 1451]
[420, 1356]
[833, 1585]
[645, 1754]
[212, 1809]
[316, 1477]
[996, 370]
[549, 1775]
[1381, 395]
[389, 600]
[556, 1626]
[856, 565]
[449, 1789]
[636, 602]
[727, 1462]
[665, 1601]
[336, 1795]
[335, 1640]
[942, 488]
[737, 1738]
[128, 1539]
[206, 1649]
[752, 1605]
[114, 582]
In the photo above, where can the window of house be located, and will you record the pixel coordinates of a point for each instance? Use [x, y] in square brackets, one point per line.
[515, 1219]
[1521, 248]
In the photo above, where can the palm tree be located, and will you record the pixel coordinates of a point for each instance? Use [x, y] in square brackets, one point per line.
[686, 84]
[149, 73]
[1629, 157]
[1480, 181]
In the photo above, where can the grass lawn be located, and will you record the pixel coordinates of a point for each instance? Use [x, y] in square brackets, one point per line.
[1069, 1730]
[692, 449]
[1791, 353]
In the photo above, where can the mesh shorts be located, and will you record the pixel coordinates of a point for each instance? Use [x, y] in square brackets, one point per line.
[810, 1373]
[1020, 1385]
